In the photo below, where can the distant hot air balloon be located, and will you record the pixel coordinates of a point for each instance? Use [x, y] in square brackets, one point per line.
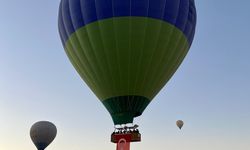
[126, 50]
[42, 134]
[179, 123]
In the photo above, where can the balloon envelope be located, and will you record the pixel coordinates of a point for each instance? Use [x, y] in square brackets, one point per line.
[42, 134]
[179, 123]
[126, 50]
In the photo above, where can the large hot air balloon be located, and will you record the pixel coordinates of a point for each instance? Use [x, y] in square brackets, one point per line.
[42, 133]
[126, 50]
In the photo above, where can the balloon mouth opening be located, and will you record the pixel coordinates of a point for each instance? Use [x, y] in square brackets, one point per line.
[123, 109]
[41, 146]
[123, 118]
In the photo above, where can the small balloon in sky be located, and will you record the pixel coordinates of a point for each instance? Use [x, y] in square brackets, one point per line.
[179, 124]
[42, 133]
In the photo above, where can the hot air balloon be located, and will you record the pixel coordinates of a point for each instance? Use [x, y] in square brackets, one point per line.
[42, 133]
[179, 124]
[126, 50]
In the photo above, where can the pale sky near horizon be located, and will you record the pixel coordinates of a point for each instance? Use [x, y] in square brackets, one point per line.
[210, 91]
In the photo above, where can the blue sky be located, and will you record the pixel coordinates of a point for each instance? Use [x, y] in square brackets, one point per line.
[210, 91]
